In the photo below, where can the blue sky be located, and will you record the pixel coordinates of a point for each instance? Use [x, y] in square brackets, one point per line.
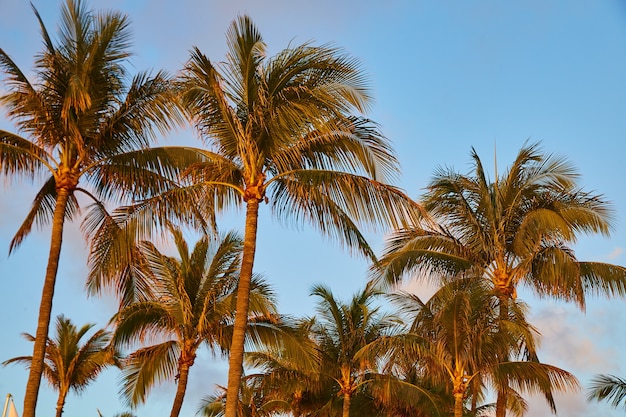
[446, 76]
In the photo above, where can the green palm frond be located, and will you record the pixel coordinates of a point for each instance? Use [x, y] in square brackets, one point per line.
[608, 388]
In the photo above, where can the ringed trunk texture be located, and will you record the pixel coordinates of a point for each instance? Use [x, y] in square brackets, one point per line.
[458, 405]
[501, 404]
[347, 399]
[235, 361]
[183, 377]
[45, 305]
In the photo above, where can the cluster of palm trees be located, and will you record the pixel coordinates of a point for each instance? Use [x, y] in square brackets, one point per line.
[286, 131]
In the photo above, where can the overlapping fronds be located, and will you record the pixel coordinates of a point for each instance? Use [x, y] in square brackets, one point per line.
[608, 388]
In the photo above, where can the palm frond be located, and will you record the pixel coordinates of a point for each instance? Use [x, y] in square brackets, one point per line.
[608, 388]
[146, 367]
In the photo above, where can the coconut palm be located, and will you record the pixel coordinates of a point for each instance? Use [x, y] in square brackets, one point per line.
[287, 380]
[82, 123]
[342, 332]
[608, 388]
[515, 230]
[250, 404]
[192, 302]
[70, 365]
[462, 343]
[281, 130]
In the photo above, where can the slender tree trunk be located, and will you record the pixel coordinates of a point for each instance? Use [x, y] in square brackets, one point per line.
[501, 404]
[61, 402]
[347, 399]
[183, 377]
[45, 306]
[458, 404]
[501, 400]
[235, 362]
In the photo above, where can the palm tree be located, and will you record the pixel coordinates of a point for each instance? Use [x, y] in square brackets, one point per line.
[461, 343]
[250, 403]
[288, 380]
[191, 302]
[608, 388]
[343, 332]
[82, 122]
[68, 364]
[281, 131]
[515, 230]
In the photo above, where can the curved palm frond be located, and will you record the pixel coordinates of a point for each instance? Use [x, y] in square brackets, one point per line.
[608, 388]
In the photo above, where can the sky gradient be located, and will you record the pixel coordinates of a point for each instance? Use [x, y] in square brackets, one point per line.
[446, 76]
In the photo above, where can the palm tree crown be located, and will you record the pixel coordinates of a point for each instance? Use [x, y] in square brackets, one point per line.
[515, 230]
[191, 301]
[281, 131]
[82, 122]
[68, 364]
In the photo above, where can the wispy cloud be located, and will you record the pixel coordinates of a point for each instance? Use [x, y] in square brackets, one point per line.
[617, 252]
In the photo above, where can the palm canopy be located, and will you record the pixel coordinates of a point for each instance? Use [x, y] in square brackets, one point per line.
[464, 342]
[190, 301]
[280, 130]
[81, 121]
[70, 365]
[343, 333]
[516, 230]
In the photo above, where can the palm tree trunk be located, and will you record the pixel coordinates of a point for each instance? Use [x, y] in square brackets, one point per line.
[501, 400]
[61, 401]
[45, 305]
[501, 404]
[347, 399]
[458, 405]
[235, 362]
[183, 377]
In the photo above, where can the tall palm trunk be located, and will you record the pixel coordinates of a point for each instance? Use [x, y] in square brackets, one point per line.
[501, 400]
[501, 404]
[347, 399]
[458, 404]
[61, 401]
[183, 377]
[45, 306]
[235, 362]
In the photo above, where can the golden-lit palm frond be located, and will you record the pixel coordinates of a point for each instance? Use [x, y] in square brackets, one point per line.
[146, 367]
[604, 279]
[143, 321]
[42, 211]
[207, 104]
[351, 144]
[338, 203]
[149, 105]
[70, 364]
[421, 252]
[19, 156]
[537, 378]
